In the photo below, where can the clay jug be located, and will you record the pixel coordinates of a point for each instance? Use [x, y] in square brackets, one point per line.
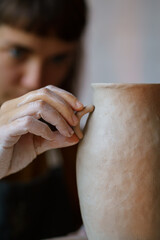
[118, 163]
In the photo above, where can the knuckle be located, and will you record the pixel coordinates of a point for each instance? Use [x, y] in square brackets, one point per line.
[58, 119]
[45, 128]
[62, 102]
[50, 86]
[56, 116]
[68, 110]
[4, 105]
[44, 91]
[40, 104]
[27, 121]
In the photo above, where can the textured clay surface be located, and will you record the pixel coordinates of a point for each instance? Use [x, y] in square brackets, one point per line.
[118, 164]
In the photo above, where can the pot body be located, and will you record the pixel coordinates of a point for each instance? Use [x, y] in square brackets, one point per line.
[118, 163]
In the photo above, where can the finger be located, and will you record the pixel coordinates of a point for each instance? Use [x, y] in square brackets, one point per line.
[40, 109]
[59, 141]
[11, 133]
[53, 99]
[77, 129]
[68, 97]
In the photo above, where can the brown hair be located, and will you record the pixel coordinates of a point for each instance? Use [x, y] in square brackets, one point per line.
[63, 18]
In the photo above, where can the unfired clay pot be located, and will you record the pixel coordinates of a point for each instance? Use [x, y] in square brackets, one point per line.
[118, 164]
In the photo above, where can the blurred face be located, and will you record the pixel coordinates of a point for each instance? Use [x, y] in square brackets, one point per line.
[28, 62]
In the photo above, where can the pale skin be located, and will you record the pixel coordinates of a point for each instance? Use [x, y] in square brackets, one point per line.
[27, 64]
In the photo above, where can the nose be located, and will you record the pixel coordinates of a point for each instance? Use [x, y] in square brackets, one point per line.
[32, 75]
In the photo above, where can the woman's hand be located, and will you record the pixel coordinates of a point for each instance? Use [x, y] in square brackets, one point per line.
[23, 136]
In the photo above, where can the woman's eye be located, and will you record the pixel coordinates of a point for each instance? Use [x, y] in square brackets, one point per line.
[17, 52]
[59, 58]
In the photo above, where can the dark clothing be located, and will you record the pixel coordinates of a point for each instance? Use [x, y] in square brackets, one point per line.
[35, 210]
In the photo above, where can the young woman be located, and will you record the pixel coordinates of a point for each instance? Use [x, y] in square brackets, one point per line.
[39, 40]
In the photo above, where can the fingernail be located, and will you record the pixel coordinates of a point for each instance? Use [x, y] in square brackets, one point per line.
[79, 104]
[70, 131]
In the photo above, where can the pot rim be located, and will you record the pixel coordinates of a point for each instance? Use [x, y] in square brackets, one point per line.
[123, 85]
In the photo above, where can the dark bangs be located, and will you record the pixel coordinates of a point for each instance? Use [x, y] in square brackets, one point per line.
[63, 18]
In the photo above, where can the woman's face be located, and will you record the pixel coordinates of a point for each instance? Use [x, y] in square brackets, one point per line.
[28, 62]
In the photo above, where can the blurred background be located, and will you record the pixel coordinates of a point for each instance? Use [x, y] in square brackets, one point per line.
[121, 44]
